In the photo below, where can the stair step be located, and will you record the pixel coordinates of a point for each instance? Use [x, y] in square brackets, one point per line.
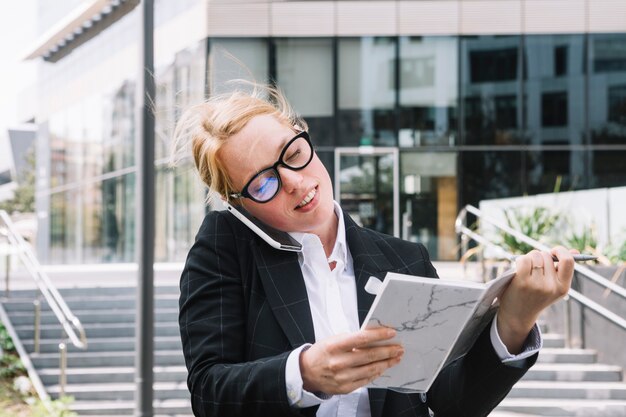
[91, 303]
[95, 359]
[555, 355]
[111, 374]
[574, 372]
[113, 344]
[553, 340]
[49, 331]
[87, 317]
[564, 407]
[576, 390]
[119, 391]
[94, 292]
[126, 408]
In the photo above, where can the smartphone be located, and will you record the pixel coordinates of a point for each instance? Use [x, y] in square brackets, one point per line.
[276, 238]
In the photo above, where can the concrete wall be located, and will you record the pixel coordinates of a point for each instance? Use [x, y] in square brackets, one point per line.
[589, 329]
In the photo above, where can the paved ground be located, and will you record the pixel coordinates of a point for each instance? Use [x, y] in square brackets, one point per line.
[120, 275]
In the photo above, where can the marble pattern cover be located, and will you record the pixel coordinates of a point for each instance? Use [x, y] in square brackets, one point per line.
[436, 321]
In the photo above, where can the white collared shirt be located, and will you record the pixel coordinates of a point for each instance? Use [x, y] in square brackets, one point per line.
[333, 303]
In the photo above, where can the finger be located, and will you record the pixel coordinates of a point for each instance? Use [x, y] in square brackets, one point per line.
[367, 373]
[538, 263]
[548, 264]
[523, 265]
[364, 356]
[565, 266]
[364, 338]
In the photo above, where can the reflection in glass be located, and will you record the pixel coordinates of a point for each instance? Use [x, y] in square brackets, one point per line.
[304, 71]
[608, 169]
[235, 59]
[493, 105]
[550, 171]
[607, 88]
[428, 91]
[119, 134]
[491, 174]
[366, 190]
[428, 201]
[366, 91]
[555, 89]
[178, 85]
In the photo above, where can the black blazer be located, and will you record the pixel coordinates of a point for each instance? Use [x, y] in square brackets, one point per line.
[244, 308]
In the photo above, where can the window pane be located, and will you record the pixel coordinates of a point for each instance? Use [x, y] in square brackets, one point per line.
[367, 91]
[493, 104]
[490, 174]
[608, 169]
[428, 91]
[555, 87]
[549, 171]
[180, 83]
[304, 70]
[233, 59]
[607, 88]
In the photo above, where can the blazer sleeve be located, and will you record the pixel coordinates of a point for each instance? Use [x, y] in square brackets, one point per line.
[212, 322]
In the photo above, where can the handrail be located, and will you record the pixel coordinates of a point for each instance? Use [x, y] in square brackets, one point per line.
[21, 351]
[461, 228]
[70, 323]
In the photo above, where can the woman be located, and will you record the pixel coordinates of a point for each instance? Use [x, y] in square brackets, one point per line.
[268, 333]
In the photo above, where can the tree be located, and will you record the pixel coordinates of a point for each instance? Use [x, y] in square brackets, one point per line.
[23, 200]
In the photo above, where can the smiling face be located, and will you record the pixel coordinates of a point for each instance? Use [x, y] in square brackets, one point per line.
[305, 201]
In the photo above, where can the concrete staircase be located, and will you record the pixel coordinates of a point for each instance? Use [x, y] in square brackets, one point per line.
[564, 382]
[567, 382]
[101, 379]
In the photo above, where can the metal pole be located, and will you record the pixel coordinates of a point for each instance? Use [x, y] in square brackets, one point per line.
[62, 368]
[567, 317]
[144, 346]
[37, 329]
[7, 270]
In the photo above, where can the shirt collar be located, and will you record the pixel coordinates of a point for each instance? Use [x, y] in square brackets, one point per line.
[340, 250]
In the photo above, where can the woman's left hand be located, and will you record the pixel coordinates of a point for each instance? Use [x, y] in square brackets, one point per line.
[538, 283]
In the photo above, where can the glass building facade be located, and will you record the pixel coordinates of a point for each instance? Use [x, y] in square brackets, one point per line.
[411, 128]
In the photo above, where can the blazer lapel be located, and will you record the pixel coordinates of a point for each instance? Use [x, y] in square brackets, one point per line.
[368, 261]
[286, 292]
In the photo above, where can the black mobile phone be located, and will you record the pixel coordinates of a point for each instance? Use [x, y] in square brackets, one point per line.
[276, 238]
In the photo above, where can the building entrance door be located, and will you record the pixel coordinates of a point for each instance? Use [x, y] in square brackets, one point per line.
[367, 186]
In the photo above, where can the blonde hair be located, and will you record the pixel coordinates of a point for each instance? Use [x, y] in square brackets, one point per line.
[204, 128]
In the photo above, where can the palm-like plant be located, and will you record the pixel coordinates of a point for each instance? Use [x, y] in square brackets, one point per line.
[535, 222]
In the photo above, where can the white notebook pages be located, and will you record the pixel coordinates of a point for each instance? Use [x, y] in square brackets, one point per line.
[437, 321]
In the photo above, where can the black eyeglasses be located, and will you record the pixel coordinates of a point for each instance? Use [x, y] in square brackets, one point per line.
[264, 186]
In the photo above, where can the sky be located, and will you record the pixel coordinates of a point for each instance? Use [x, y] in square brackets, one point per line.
[18, 20]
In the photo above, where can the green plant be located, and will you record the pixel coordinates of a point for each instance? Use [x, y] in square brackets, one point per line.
[54, 408]
[23, 200]
[585, 241]
[6, 343]
[616, 253]
[11, 366]
[534, 222]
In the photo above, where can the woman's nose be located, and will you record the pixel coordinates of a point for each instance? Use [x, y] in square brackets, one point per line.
[291, 179]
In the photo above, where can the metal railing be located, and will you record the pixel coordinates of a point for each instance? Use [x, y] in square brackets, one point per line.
[465, 232]
[72, 327]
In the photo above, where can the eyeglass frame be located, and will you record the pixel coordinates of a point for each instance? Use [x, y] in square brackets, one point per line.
[274, 167]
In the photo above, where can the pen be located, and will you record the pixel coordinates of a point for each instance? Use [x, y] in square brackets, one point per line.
[577, 258]
[580, 258]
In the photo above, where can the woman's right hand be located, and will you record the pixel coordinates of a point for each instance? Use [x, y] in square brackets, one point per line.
[342, 363]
